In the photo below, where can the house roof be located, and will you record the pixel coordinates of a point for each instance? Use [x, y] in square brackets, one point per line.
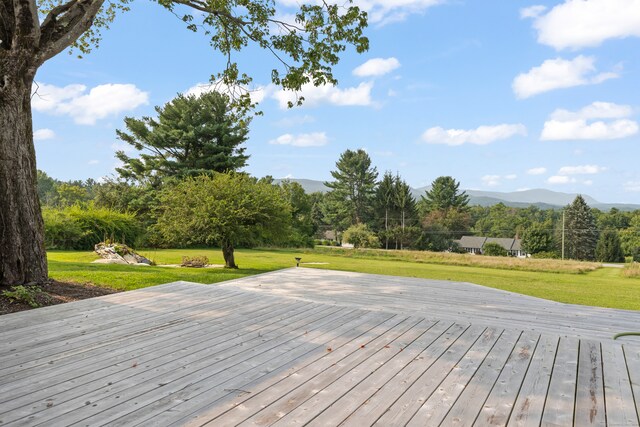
[472, 242]
[505, 243]
[477, 242]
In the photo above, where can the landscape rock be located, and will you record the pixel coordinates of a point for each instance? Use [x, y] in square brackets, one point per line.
[118, 253]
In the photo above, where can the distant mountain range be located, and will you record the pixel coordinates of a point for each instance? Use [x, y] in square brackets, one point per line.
[544, 199]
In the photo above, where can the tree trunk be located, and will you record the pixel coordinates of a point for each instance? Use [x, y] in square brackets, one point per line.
[386, 228]
[227, 253]
[22, 254]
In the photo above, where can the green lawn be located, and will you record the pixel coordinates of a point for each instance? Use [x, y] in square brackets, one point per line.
[603, 287]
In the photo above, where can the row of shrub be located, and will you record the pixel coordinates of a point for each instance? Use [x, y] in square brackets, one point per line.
[80, 228]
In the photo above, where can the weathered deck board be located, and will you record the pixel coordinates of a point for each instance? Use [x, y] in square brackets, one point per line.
[439, 299]
[366, 352]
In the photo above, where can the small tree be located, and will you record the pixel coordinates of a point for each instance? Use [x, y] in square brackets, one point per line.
[360, 236]
[225, 210]
[494, 249]
[537, 238]
[608, 248]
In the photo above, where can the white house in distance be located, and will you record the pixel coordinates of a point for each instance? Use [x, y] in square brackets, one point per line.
[474, 245]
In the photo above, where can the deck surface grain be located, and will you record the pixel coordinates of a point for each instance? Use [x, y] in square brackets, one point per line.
[319, 348]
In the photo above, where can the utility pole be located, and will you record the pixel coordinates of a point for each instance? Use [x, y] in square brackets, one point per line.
[563, 234]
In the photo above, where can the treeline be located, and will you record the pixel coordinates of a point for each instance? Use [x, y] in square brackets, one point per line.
[183, 188]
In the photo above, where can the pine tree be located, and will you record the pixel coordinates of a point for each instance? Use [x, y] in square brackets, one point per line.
[384, 202]
[193, 135]
[444, 195]
[580, 233]
[405, 204]
[608, 248]
[354, 185]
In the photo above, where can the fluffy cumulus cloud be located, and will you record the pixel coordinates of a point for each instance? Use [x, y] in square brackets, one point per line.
[376, 67]
[316, 139]
[566, 174]
[383, 12]
[43, 134]
[532, 11]
[581, 170]
[537, 171]
[576, 24]
[480, 136]
[597, 121]
[86, 107]
[559, 73]
[327, 94]
[491, 180]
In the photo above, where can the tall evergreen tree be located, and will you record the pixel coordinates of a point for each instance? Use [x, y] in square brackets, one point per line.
[193, 135]
[444, 195]
[609, 248]
[384, 202]
[354, 185]
[405, 205]
[580, 231]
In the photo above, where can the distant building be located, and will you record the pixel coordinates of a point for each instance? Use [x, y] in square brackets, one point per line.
[474, 245]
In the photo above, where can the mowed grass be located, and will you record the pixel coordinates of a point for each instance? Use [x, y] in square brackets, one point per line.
[604, 287]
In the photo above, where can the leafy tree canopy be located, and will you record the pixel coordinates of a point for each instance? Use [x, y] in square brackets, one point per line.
[193, 135]
[225, 210]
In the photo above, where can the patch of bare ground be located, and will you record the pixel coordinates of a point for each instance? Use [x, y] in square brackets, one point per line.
[52, 293]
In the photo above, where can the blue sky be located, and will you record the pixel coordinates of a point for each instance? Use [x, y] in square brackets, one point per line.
[503, 96]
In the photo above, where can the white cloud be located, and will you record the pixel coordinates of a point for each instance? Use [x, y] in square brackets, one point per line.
[87, 107]
[257, 94]
[581, 170]
[559, 73]
[383, 12]
[579, 125]
[595, 110]
[316, 139]
[376, 67]
[93, 162]
[560, 179]
[481, 136]
[576, 24]
[43, 134]
[532, 11]
[580, 130]
[588, 182]
[491, 180]
[327, 94]
[511, 176]
[537, 171]
[558, 130]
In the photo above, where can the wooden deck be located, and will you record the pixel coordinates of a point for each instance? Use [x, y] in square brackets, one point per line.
[245, 354]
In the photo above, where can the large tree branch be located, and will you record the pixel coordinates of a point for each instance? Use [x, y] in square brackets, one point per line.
[26, 25]
[204, 7]
[64, 25]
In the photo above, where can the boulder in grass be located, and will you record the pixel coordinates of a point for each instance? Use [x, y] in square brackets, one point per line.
[119, 253]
